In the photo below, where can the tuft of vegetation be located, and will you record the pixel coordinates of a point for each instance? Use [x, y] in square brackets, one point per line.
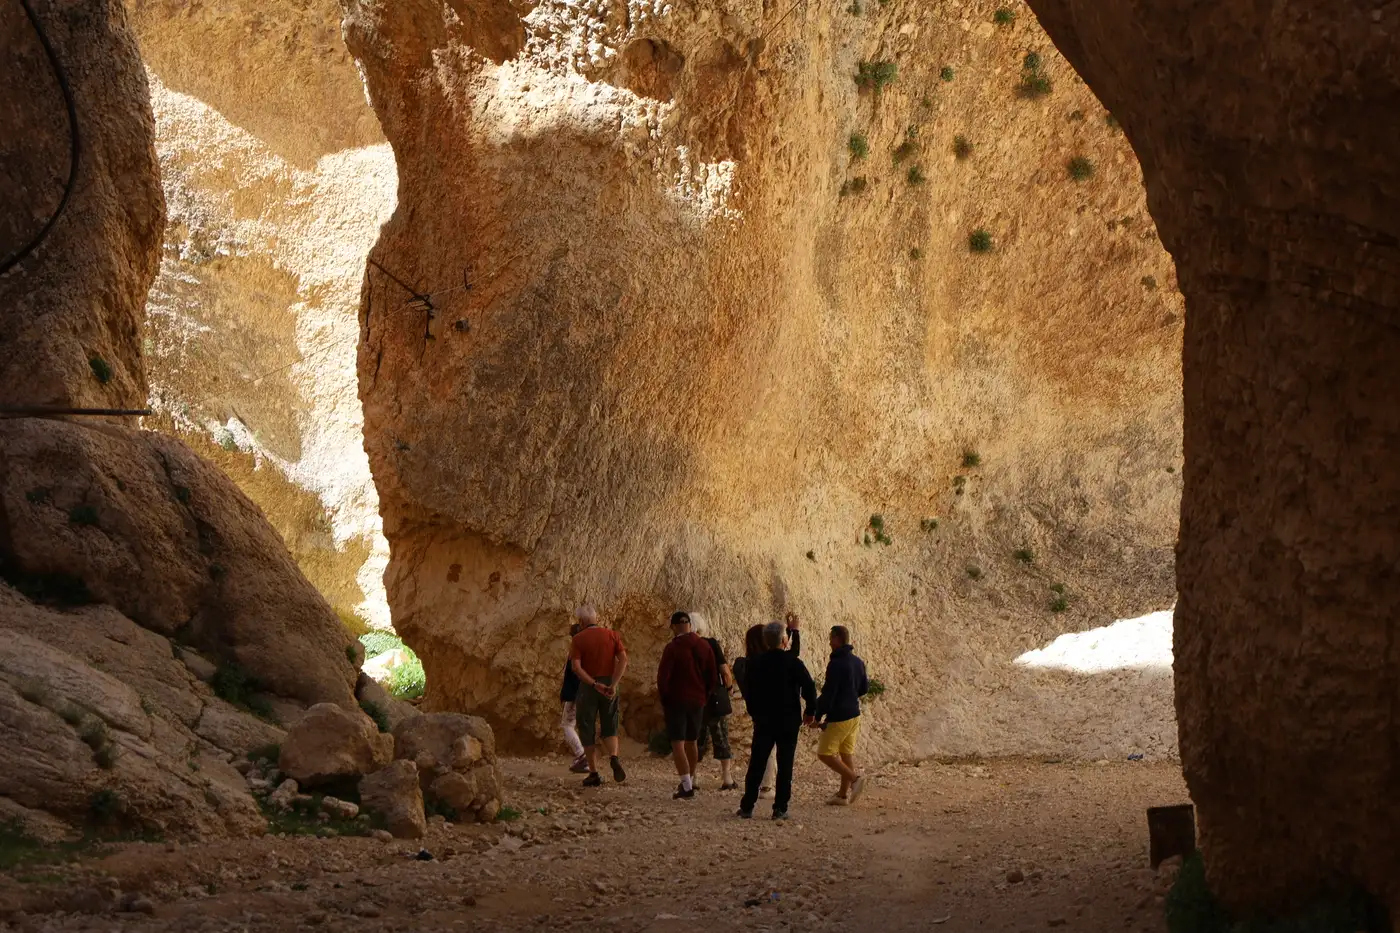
[875, 75]
[1149, 282]
[377, 713]
[305, 818]
[946, 73]
[1034, 86]
[83, 515]
[812, 556]
[854, 9]
[101, 369]
[974, 572]
[1059, 603]
[859, 146]
[979, 241]
[408, 681]
[904, 151]
[233, 684]
[380, 642]
[658, 744]
[39, 496]
[916, 175]
[1057, 588]
[508, 814]
[105, 807]
[225, 439]
[1025, 555]
[1080, 168]
[876, 687]
[959, 482]
[971, 458]
[1004, 16]
[867, 539]
[962, 149]
[877, 522]
[1031, 61]
[1111, 122]
[928, 524]
[855, 185]
[915, 253]
[18, 849]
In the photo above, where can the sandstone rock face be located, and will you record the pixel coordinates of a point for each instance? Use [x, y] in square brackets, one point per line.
[330, 743]
[670, 365]
[73, 304]
[393, 794]
[1273, 184]
[455, 757]
[277, 179]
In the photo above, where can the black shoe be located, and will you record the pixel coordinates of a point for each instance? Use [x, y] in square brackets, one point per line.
[780, 814]
[618, 774]
[729, 786]
[594, 779]
[745, 814]
[683, 794]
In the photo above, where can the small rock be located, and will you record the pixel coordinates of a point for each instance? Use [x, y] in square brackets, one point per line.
[284, 795]
[243, 766]
[1015, 876]
[1058, 921]
[383, 835]
[600, 887]
[135, 904]
[424, 855]
[340, 809]
[315, 918]
[469, 900]
[367, 909]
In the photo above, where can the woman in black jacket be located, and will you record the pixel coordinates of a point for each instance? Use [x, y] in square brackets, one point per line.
[753, 647]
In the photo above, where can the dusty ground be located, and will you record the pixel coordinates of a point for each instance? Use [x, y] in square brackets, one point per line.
[927, 842]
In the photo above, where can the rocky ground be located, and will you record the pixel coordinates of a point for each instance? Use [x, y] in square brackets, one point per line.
[1009, 845]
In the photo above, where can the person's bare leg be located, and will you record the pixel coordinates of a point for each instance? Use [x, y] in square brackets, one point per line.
[835, 763]
[591, 752]
[681, 757]
[610, 743]
[724, 772]
[692, 756]
[850, 762]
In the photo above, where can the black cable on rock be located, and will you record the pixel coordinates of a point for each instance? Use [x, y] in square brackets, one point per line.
[16, 258]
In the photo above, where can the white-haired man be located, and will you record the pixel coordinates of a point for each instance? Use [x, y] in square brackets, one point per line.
[600, 660]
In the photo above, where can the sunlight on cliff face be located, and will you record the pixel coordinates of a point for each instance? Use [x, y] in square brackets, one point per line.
[1144, 643]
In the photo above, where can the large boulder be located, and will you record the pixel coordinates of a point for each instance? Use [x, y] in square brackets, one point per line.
[330, 744]
[455, 756]
[394, 796]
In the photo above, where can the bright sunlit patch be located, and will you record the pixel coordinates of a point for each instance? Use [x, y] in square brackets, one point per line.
[1128, 644]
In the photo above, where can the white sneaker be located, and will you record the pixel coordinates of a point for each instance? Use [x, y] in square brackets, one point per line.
[857, 787]
[838, 801]
[765, 792]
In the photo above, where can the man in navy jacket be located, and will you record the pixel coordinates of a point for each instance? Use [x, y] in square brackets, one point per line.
[838, 715]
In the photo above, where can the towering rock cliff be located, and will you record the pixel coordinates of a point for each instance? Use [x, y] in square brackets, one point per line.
[719, 316]
[1272, 175]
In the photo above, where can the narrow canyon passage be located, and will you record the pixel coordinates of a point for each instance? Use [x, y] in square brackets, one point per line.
[1006, 846]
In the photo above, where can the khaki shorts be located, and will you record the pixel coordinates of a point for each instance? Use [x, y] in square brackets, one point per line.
[594, 709]
[839, 738]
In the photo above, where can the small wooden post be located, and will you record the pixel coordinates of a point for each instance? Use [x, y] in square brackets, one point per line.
[1171, 831]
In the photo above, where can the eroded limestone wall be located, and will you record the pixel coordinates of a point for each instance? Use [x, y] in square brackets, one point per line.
[277, 179]
[1271, 172]
[697, 355]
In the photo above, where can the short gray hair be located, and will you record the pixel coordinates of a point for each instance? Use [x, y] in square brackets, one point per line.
[587, 613]
[698, 625]
[773, 634]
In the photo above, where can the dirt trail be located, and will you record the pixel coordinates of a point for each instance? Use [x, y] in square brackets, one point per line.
[925, 843]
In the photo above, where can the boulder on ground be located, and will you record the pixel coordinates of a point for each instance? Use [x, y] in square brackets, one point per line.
[456, 760]
[329, 743]
[393, 794]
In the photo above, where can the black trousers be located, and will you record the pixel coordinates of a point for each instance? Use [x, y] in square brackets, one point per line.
[765, 739]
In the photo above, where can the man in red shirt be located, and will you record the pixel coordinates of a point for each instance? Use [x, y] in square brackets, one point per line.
[599, 660]
[685, 678]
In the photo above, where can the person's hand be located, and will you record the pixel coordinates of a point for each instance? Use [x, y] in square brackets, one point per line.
[793, 622]
[607, 690]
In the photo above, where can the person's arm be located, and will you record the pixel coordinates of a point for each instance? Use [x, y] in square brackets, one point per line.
[726, 675]
[582, 674]
[809, 693]
[795, 642]
[621, 668]
[722, 672]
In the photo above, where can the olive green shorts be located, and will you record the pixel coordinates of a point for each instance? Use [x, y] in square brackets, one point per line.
[592, 706]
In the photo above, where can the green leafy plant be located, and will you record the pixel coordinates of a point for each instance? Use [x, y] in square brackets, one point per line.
[1004, 16]
[962, 149]
[859, 146]
[376, 712]
[1080, 168]
[812, 556]
[380, 642]
[1059, 603]
[875, 688]
[408, 681]
[877, 522]
[1034, 86]
[979, 241]
[305, 818]
[946, 73]
[83, 515]
[1148, 282]
[915, 253]
[233, 684]
[1031, 62]
[876, 75]
[351, 654]
[974, 572]
[971, 458]
[1025, 555]
[508, 814]
[916, 175]
[39, 496]
[101, 369]
[225, 439]
[855, 185]
[928, 524]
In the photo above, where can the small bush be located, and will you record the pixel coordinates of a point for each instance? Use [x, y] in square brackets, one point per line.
[39, 496]
[859, 146]
[1025, 555]
[928, 524]
[1059, 604]
[974, 572]
[105, 807]
[1080, 168]
[432, 806]
[915, 253]
[83, 515]
[105, 756]
[93, 732]
[1057, 588]
[1031, 62]
[100, 369]
[1149, 282]
[1035, 86]
[916, 175]
[408, 681]
[884, 539]
[658, 744]
[380, 642]
[971, 458]
[875, 75]
[508, 814]
[959, 482]
[261, 707]
[855, 185]
[876, 687]
[946, 73]
[1004, 17]
[962, 149]
[1111, 122]
[904, 150]
[377, 713]
[979, 241]
[812, 556]
[230, 683]
[877, 522]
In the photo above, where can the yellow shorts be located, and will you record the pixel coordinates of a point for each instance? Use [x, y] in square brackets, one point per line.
[839, 738]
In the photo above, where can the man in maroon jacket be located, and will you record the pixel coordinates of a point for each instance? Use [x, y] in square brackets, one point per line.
[685, 678]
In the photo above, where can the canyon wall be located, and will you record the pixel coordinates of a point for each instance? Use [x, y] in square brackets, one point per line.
[1272, 174]
[277, 179]
[686, 342]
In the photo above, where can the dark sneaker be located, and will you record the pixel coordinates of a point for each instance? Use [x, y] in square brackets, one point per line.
[729, 786]
[618, 774]
[593, 780]
[683, 794]
[580, 765]
[745, 814]
[780, 814]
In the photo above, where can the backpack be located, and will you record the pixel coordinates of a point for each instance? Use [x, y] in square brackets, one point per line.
[718, 704]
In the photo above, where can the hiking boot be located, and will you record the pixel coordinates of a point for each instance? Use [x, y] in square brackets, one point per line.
[780, 814]
[580, 765]
[618, 774]
[857, 788]
[745, 814]
[594, 779]
[683, 794]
